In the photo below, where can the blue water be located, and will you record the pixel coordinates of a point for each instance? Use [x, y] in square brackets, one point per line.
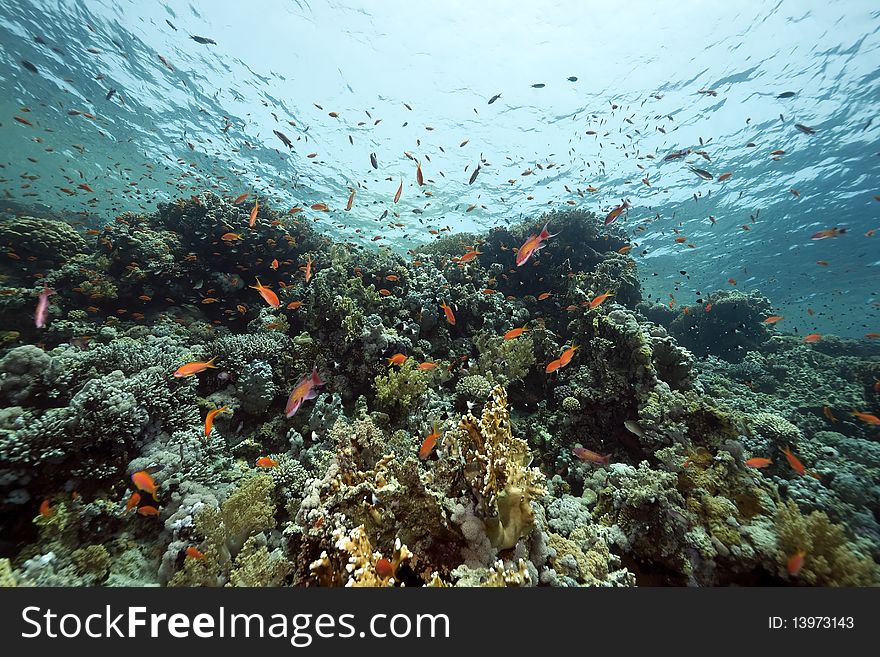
[427, 70]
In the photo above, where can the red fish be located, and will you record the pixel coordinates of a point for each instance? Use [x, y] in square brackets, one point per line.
[350, 200]
[148, 511]
[599, 300]
[194, 553]
[533, 244]
[773, 319]
[515, 333]
[796, 562]
[812, 337]
[585, 454]
[758, 462]
[145, 482]
[866, 417]
[427, 365]
[420, 179]
[209, 420]
[616, 212]
[429, 443]
[46, 510]
[794, 461]
[268, 295]
[397, 359]
[253, 217]
[399, 192]
[567, 355]
[195, 367]
[304, 390]
[552, 366]
[307, 269]
[266, 462]
[42, 312]
[240, 198]
[830, 232]
[450, 316]
[133, 501]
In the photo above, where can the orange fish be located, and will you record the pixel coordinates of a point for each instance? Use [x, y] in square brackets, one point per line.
[515, 333]
[624, 249]
[350, 200]
[240, 198]
[724, 176]
[230, 237]
[145, 482]
[274, 264]
[419, 177]
[392, 278]
[812, 337]
[266, 462]
[397, 359]
[399, 191]
[209, 420]
[732, 281]
[681, 240]
[708, 307]
[758, 462]
[320, 206]
[293, 305]
[384, 568]
[872, 336]
[470, 255]
[827, 413]
[793, 461]
[598, 301]
[46, 510]
[544, 295]
[585, 454]
[773, 319]
[86, 187]
[533, 244]
[567, 355]
[194, 553]
[307, 269]
[429, 443]
[616, 212]
[195, 367]
[385, 292]
[133, 501]
[796, 562]
[268, 295]
[830, 232]
[552, 366]
[450, 316]
[427, 365]
[253, 218]
[866, 417]
[148, 511]
[303, 391]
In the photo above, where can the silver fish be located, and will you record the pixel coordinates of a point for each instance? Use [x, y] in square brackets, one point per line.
[705, 175]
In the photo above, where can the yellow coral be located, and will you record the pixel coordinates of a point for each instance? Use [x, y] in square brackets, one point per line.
[359, 563]
[496, 468]
[829, 561]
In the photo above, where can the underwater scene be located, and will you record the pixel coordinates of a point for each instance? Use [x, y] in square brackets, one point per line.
[401, 294]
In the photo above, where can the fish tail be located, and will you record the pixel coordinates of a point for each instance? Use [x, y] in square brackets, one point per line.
[316, 380]
[210, 363]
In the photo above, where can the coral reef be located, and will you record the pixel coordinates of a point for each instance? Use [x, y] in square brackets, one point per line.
[611, 442]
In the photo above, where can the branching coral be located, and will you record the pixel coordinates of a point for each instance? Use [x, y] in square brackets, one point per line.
[355, 563]
[496, 467]
[828, 559]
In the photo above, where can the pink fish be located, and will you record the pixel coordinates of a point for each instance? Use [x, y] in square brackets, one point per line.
[304, 390]
[532, 245]
[43, 307]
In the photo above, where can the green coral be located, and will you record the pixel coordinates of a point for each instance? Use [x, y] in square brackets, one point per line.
[92, 562]
[256, 566]
[503, 361]
[401, 388]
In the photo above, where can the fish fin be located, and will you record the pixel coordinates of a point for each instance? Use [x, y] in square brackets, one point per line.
[316, 380]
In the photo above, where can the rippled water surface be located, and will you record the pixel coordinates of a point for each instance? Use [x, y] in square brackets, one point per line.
[587, 99]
